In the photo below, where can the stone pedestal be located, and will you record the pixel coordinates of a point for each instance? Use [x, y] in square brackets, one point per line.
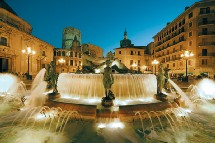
[162, 97]
[107, 102]
[53, 95]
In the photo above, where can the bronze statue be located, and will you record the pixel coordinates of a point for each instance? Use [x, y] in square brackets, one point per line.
[166, 75]
[108, 80]
[160, 80]
[51, 77]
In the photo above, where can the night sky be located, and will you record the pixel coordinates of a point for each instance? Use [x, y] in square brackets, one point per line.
[101, 22]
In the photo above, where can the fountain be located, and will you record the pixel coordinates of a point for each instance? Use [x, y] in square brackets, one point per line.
[77, 115]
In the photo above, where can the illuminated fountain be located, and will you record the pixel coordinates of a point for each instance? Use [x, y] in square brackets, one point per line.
[77, 116]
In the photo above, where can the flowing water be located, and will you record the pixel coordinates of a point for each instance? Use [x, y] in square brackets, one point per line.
[36, 123]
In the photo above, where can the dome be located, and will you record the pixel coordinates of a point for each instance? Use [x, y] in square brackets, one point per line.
[5, 6]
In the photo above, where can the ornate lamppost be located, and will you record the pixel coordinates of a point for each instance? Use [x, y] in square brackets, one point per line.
[186, 55]
[155, 62]
[28, 52]
[61, 61]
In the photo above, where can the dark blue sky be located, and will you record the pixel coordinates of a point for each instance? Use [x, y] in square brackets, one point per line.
[102, 22]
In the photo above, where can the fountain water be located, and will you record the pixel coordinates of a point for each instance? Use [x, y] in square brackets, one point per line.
[144, 124]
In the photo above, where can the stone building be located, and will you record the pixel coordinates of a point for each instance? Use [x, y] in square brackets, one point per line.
[15, 36]
[69, 57]
[69, 35]
[193, 30]
[133, 57]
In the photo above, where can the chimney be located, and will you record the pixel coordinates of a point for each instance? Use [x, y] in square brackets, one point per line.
[187, 7]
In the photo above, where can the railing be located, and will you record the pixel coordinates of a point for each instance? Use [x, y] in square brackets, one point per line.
[207, 33]
[160, 49]
[206, 22]
[207, 12]
[4, 44]
[207, 44]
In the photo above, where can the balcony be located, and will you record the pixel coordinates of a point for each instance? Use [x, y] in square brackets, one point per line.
[4, 44]
[207, 44]
[207, 12]
[206, 23]
[207, 33]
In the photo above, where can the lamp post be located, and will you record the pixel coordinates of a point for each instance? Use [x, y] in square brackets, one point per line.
[29, 52]
[61, 61]
[155, 62]
[186, 55]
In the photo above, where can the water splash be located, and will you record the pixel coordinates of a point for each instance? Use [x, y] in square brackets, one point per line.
[184, 97]
[39, 78]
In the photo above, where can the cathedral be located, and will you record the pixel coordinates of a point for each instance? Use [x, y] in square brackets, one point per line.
[20, 51]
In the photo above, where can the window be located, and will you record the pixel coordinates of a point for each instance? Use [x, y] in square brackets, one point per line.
[181, 47]
[183, 21]
[204, 52]
[138, 62]
[167, 65]
[58, 53]
[63, 53]
[204, 21]
[3, 41]
[71, 62]
[204, 61]
[190, 15]
[131, 62]
[76, 54]
[205, 10]
[79, 55]
[190, 34]
[138, 53]
[167, 52]
[132, 52]
[190, 24]
[190, 43]
[79, 63]
[55, 54]
[71, 54]
[204, 31]
[43, 53]
[119, 52]
[173, 65]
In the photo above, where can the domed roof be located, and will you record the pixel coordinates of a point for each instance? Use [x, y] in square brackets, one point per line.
[4, 5]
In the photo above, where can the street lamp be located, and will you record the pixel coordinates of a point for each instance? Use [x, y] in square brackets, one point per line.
[186, 55]
[61, 61]
[155, 62]
[29, 52]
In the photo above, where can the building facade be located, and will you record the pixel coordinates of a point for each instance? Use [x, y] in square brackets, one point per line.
[15, 36]
[194, 31]
[69, 35]
[69, 58]
[133, 57]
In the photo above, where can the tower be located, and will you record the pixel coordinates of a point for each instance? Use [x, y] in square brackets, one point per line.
[69, 35]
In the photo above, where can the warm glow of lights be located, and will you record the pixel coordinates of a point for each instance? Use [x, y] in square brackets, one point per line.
[187, 54]
[92, 100]
[155, 62]
[207, 89]
[101, 126]
[61, 61]
[116, 125]
[40, 116]
[112, 125]
[97, 70]
[134, 65]
[7, 82]
[28, 51]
